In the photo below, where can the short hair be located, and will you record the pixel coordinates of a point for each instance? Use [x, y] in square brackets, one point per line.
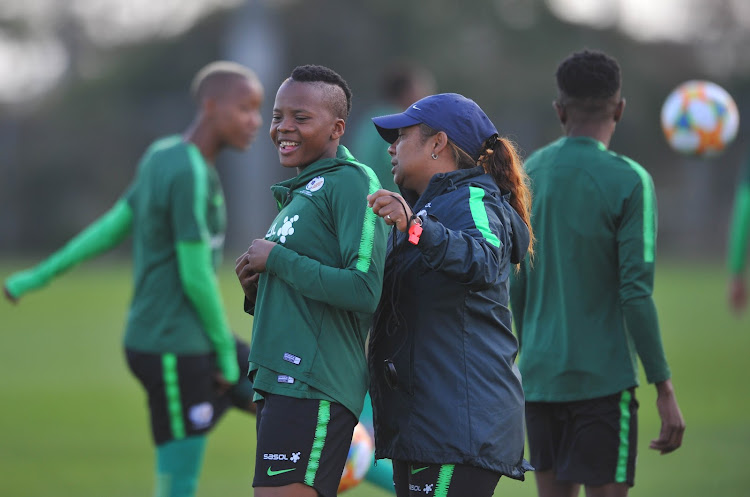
[400, 78]
[212, 79]
[588, 74]
[327, 78]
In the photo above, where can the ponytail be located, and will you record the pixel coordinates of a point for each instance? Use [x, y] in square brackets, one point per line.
[500, 160]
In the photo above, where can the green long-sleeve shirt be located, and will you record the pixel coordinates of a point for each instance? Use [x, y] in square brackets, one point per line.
[322, 285]
[584, 310]
[175, 211]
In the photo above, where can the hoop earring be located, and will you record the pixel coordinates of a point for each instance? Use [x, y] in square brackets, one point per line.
[434, 156]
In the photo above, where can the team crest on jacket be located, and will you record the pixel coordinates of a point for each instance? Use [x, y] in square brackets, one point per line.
[315, 184]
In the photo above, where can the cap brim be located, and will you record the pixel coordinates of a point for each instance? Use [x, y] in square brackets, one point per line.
[389, 125]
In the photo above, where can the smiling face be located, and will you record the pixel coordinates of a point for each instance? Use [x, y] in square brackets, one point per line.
[410, 157]
[304, 128]
[237, 114]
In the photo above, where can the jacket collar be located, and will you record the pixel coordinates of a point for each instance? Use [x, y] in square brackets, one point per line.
[317, 168]
[445, 182]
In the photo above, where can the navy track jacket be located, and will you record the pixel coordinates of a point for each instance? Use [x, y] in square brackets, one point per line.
[444, 326]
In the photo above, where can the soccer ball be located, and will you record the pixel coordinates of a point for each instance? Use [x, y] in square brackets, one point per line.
[361, 454]
[699, 118]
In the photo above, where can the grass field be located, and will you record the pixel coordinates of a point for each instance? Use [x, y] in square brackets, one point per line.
[74, 422]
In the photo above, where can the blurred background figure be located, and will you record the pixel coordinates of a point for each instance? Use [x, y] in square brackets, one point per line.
[583, 305]
[402, 83]
[177, 339]
[738, 241]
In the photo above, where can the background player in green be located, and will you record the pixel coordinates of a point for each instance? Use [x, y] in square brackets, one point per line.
[738, 241]
[177, 338]
[319, 274]
[584, 308]
[402, 83]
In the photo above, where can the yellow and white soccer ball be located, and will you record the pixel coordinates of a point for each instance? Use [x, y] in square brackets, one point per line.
[361, 454]
[699, 118]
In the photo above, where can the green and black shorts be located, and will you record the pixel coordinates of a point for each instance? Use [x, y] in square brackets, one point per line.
[591, 442]
[183, 396]
[302, 441]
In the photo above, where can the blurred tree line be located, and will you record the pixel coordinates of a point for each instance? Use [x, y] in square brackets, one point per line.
[65, 159]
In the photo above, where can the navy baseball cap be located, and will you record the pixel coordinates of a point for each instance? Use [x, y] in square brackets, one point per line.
[459, 117]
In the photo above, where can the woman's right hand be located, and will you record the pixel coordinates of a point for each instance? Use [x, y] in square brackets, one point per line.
[392, 207]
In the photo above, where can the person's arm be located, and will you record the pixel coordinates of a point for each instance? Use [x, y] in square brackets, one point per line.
[738, 244]
[188, 203]
[636, 241]
[202, 289]
[100, 236]
[472, 255]
[361, 237]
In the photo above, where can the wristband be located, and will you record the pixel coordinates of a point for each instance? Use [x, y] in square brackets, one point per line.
[415, 229]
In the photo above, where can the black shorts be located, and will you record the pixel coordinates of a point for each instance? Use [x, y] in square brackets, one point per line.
[302, 441]
[448, 480]
[592, 442]
[183, 397]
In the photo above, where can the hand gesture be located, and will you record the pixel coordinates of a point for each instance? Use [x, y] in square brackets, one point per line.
[248, 278]
[392, 207]
[257, 254]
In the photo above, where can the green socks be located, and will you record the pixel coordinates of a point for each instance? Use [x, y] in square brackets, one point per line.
[178, 465]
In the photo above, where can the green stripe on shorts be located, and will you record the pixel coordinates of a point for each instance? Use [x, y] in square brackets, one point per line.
[172, 393]
[621, 473]
[321, 430]
[444, 480]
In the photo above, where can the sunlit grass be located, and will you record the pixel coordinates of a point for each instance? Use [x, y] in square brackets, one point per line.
[74, 421]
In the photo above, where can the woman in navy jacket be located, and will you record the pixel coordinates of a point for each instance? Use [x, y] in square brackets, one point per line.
[447, 397]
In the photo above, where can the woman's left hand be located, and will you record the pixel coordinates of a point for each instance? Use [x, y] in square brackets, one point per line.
[392, 207]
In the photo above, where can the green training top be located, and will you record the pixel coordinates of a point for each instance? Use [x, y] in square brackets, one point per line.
[370, 148]
[740, 228]
[584, 308]
[177, 201]
[175, 210]
[323, 282]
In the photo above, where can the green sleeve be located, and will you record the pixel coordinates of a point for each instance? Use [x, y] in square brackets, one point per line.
[345, 288]
[361, 237]
[738, 234]
[636, 240]
[636, 249]
[100, 236]
[643, 325]
[202, 289]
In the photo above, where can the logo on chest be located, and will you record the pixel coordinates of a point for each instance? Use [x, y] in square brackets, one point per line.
[286, 230]
[315, 184]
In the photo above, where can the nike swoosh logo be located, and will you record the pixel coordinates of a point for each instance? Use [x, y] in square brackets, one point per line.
[415, 471]
[271, 472]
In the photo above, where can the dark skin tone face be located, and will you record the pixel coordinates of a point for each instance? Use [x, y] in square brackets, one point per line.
[229, 117]
[304, 128]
